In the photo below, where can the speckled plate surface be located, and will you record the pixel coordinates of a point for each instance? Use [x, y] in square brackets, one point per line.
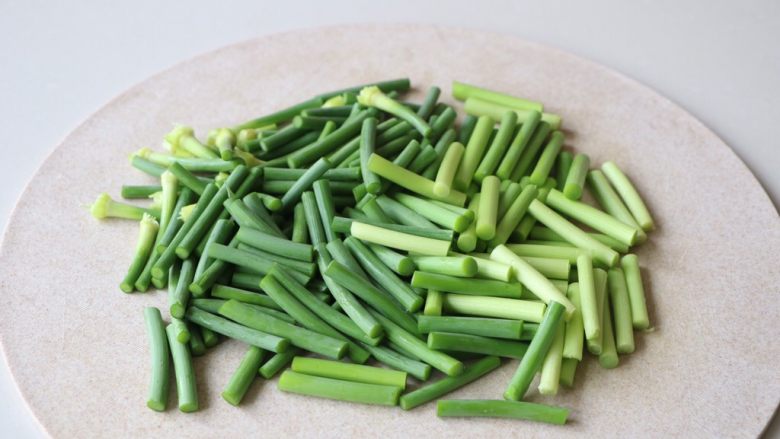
[76, 344]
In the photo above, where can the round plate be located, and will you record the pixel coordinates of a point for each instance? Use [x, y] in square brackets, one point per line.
[77, 345]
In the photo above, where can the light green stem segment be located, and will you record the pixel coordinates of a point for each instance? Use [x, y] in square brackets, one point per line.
[481, 107]
[636, 291]
[489, 269]
[435, 213]
[497, 148]
[575, 178]
[462, 91]
[243, 376]
[467, 240]
[590, 216]
[488, 208]
[498, 307]
[398, 240]
[606, 196]
[340, 390]
[374, 97]
[532, 279]
[563, 166]
[411, 181]
[460, 266]
[551, 367]
[448, 384]
[572, 233]
[502, 409]
[349, 372]
[367, 147]
[608, 358]
[575, 332]
[170, 188]
[514, 215]
[629, 195]
[475, 149]
[551, 268]
[621, 311]
[447, 169]
[161, 362]
[568, 370]
[536, 353]
[433, 303]
[547, 159]
[146, 238]
[596, 344]
[591, 317]
[518, 146]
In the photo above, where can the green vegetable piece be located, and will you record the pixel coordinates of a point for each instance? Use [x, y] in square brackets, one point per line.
[629, 194]
[448, 384]
[536, 353]
[636, 291]
[349, 372]
[243, 376]
[476, 344]
[374, 97]
[186, 388]
[498, 307]
[502, 409]
[475, 287]
[161, 363]
[340, 390]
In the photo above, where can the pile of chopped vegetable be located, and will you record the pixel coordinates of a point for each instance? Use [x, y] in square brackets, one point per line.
[356, 225]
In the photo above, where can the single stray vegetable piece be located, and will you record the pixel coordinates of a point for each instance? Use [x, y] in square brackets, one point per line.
[161, 363]
[338, 389]
[106, 207]
[185, 375]
[146, 237]
[448, 384]
[501, 409]
[536, 353]
[243, 376]
[374, 97]
[349, 372]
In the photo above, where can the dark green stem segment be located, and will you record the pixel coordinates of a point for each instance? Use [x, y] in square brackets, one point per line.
[475, 287]
[234, 330]
[448, 384]
[243, 376]
[486, 327]
[161, 363]
[502, 409]
[300, 337]
[537, 350]
[393, 359]
[276, 245]
[340, 390]
[476, 344]
[185, 375]
[277, 363]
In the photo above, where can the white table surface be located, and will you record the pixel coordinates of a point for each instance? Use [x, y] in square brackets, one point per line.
[61, 61]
